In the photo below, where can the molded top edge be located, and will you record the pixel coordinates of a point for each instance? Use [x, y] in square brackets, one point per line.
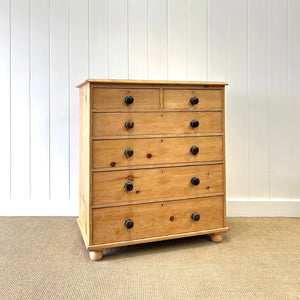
[124, 81]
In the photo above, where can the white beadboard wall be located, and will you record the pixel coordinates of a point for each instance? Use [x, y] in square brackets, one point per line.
[47, 47]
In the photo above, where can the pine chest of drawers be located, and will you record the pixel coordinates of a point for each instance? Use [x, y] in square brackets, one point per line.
[152, 162]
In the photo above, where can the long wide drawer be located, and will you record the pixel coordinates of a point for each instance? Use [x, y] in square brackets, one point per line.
[135, 152]
[106, 124]
[175, 99]
[131, 99]
[157, 183]
[125, 223]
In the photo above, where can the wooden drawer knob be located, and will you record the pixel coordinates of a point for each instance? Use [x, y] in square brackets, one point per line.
[195, 216]
[194, 123]
[194, 100]
[129, 100]
[128, 152]
[129, 124]
[194, 150]
[195, 180]
[128, 186]
[129, 223]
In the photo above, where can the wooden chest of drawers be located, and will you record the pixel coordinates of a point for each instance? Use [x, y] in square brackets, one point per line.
[152, 162]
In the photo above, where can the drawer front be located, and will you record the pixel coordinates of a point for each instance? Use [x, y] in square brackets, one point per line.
[181, 99]
[109, 99]
[115, 153]
[156, 219]
[116, 124]
[157, 183]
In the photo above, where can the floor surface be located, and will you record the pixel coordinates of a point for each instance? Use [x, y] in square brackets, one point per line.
[45, 258]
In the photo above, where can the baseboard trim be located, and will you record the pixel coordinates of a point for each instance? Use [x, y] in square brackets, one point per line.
[263, 208]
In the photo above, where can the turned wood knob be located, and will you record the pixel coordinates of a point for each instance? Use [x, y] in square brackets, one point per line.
[194, 123]
[128, 152]
[129, 124]
[194, 100]
[195, 180]
[194, 150]
[195, 216]
[129, 223]
[128, 186]
[129, 100]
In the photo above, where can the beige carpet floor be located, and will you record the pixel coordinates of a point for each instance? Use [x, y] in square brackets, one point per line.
[45, 258]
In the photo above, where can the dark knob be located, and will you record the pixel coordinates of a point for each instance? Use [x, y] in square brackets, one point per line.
[195, 216]
[128, 152]
[194, 100]
[194, 150]
[128, 186]
[129, 223]
[129, 124]
[194, 123]
[129, 99]
[195, 181]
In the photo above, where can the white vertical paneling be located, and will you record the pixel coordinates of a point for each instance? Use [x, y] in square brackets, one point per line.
[59, 101]
[79, 70]
[217, 44]
[138, 39]
[237, 101]
[280, 139]
[98, 38]
[158, 39]
[258, 99]
[217, 51]
[118, 39]
[50, 46]
[197, 39]
[39, 95]
[20, 101]
[294, 94]
[5, 98]
[177, 40]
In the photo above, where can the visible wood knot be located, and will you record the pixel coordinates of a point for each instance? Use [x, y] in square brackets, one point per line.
[113, 164]
[149, 155]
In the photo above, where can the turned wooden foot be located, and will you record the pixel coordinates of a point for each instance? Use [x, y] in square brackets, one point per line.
[96, 255]
[216, 237]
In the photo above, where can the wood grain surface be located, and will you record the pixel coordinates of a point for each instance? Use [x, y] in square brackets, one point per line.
[156, 219]
[113, 124]
[110, 153]
[108, 99]
[156, 183]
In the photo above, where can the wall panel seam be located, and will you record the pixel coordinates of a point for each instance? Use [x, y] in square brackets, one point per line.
[69, 102]
[29, 87]
[248, 102]
[167, 39]
[108, 38]
[247, 95]
[128, 65]
[268, 100]
[289, 97]
[49, 113]
[187, 38]
[10, 125]
[207, 39]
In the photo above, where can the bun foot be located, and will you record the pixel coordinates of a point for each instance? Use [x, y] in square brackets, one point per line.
[216, 237]
[96, 255]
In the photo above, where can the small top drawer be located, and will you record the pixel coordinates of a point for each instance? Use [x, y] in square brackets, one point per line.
[175, 99]
[125, 99]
